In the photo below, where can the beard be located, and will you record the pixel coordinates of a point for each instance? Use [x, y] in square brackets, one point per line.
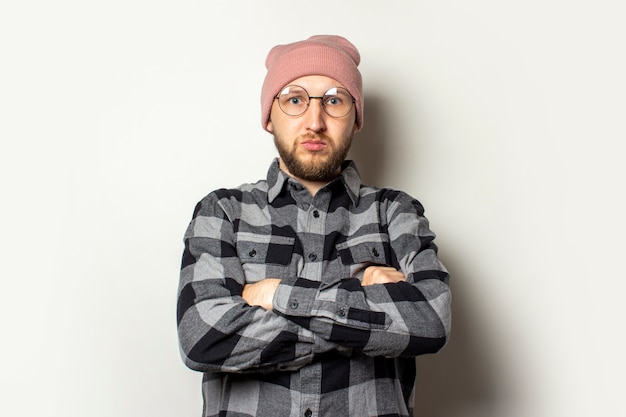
[322, 168]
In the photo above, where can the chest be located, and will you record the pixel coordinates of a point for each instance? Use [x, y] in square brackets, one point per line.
[319, 243]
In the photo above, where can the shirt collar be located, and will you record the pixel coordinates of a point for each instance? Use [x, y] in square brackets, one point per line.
[350, 178]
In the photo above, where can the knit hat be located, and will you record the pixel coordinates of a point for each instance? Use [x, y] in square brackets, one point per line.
[332, 56]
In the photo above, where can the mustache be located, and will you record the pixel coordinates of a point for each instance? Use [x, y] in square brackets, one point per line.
[317, 136]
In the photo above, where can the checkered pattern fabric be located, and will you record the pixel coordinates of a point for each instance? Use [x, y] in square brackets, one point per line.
[330, 347]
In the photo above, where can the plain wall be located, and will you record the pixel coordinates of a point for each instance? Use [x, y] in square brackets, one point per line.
[504, 118]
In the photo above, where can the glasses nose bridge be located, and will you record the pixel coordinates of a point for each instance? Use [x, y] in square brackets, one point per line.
[320, 98]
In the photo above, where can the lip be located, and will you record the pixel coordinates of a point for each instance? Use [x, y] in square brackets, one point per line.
[313, 145]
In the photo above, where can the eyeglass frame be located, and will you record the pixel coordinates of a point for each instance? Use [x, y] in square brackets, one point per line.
[321, 99]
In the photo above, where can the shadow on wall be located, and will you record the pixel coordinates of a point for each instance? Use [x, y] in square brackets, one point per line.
[462, 379]
[369, 148]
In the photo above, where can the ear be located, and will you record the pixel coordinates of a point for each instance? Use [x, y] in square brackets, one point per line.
[270, 126]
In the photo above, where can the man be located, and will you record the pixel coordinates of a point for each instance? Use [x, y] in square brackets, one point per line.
[309, 293]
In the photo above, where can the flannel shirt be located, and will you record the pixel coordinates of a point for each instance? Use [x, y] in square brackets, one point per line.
[329, 347]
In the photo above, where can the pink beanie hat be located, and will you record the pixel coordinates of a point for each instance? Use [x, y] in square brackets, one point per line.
[332, 56]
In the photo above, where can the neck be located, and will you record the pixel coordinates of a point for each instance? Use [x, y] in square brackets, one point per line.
[312, 186]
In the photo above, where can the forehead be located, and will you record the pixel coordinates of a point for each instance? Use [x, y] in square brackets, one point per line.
[316, 83]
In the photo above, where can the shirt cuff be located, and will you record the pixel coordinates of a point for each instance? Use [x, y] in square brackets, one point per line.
[295, 296]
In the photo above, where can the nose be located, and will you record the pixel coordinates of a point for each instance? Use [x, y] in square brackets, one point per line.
[315, 115]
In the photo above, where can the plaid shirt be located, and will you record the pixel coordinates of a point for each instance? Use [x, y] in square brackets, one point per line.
[329, 347]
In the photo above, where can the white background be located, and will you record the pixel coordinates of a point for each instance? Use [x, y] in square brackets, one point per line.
[505, 118]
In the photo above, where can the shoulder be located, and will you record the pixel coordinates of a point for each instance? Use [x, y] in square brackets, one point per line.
[390, 199]
[231, 199]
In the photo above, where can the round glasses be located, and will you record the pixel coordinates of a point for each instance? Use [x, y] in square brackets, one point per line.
[294, 100]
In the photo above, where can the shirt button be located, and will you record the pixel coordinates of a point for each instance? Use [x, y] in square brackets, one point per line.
[375, 252]
[316, 214]
[312, 256]
[252, 253]
[294, 304]
[308, 413]
[341, 312]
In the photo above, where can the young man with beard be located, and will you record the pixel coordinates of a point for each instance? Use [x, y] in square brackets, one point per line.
[309, 293]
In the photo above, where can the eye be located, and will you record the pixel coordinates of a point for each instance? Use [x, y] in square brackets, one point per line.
[296, 101]
[333, 101]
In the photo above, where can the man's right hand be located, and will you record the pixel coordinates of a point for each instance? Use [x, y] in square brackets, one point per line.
[261, 293]
[381, 275]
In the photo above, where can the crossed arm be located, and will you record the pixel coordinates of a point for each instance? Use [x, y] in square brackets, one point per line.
[222, 329]
[261, 293]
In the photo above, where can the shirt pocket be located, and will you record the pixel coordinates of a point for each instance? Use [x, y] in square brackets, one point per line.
[359, 252]
[264, 256]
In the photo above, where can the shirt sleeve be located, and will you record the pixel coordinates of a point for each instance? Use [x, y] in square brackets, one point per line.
[217, 330]
[397, 319]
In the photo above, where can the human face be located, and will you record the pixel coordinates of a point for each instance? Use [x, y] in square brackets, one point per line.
[313, 145]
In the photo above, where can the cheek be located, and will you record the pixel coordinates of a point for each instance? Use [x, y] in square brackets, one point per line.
[349, 131]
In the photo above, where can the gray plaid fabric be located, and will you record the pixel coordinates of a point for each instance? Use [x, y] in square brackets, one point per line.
[330, 347]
